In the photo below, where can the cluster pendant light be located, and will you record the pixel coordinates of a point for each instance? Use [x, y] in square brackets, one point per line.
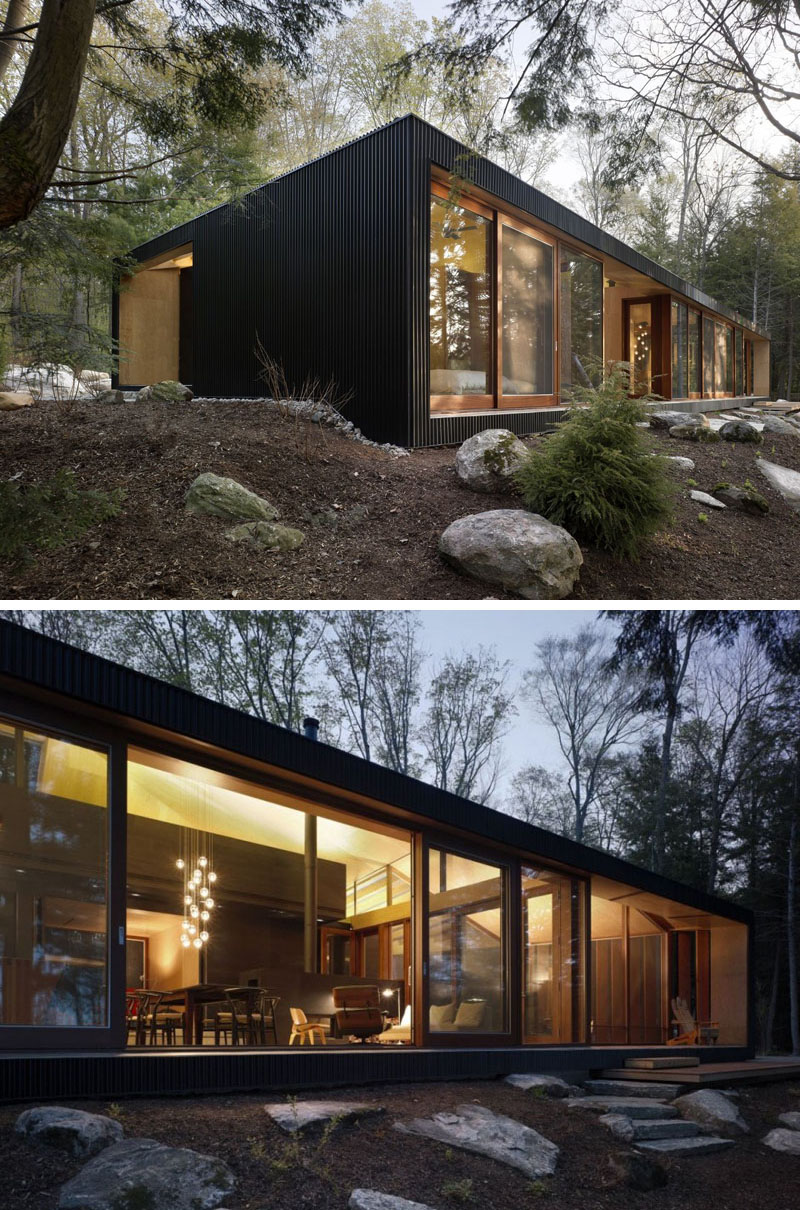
[198, 893]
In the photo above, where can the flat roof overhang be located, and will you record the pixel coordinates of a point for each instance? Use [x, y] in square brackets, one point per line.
[55, 673]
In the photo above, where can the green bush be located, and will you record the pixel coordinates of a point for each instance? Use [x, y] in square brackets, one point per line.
[596, 476]
[39, 515]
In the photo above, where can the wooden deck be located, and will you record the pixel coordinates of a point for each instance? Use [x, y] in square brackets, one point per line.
[707, 1075]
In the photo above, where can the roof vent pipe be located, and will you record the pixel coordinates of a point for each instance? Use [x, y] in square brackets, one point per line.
[311, 728]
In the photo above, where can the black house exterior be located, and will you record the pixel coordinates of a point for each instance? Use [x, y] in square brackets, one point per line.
[403, 253]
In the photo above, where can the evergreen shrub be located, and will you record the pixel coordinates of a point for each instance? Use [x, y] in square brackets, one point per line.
[44, 515]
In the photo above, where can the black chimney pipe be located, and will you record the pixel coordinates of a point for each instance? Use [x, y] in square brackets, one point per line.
[311, 728]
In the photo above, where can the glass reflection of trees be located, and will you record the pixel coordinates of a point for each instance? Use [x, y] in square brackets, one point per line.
[53, 890]
[460, 300]
[581, 321]
[527, 314]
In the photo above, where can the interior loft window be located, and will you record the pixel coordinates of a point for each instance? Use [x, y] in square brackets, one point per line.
[527, 304]
[580, 321]
[460, 300]
[53, 880]
[466, 943]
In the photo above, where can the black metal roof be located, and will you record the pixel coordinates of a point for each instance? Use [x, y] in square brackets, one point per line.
[538, 204]
[51, 665]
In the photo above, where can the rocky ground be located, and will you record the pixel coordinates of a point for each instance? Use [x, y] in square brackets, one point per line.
[371, 520]
[265, 1168]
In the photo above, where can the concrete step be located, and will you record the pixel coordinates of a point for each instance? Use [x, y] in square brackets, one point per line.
[661, 1064]
[638, 1108]
[659, 1128]
[702, 1145]
[632, 1088]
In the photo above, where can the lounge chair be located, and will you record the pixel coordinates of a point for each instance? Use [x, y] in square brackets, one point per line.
[693, 1033]
[400, 1032]
[358, 1011]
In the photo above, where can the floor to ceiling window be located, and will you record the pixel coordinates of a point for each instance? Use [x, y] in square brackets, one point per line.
[680, 349]
[640, 346]
[580, 321]
[527, 313]
[553, 938]
[54, 845]
[708, 357]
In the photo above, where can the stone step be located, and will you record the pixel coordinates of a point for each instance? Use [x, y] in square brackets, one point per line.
[702, 1145]
[661, 1064]
[632, 1107]
[632, 1088]
[659, 1128]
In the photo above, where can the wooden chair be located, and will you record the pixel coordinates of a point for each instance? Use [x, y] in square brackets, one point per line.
[693, 1033]
[249, 1015]
[304, 1029]
[358, 1011]
[154, 1020]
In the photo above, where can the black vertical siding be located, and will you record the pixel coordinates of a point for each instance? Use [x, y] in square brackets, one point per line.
[328, 264]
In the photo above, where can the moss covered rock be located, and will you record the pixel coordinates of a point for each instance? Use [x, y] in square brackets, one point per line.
[167, 391]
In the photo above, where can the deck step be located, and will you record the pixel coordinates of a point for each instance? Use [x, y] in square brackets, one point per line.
[702, 1145]
[660, 1128]
[662, 1064]
[634, 1088]
[636, 1108]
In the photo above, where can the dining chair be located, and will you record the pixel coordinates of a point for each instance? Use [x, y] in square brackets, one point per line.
[305, 1030]
[248, 1015]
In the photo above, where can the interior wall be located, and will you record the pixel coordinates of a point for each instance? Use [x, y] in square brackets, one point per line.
[729, 983]
[149, 327]
[170, 965]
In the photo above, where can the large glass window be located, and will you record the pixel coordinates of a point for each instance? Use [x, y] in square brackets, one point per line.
[527, 314]
[580, 321]
[708, 357]
[723, 365]
[680, 359]
[640, 347]
[694, 371]
[739, 385]
[460, 300]
[53, 880]
[552, 938]
[466, 945]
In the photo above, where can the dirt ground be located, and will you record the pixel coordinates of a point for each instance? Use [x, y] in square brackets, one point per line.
[372, 521]
[273, 1173]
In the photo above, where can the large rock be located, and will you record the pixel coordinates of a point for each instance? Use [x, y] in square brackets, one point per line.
[550, 1086]
[488, 461]
[783, 1140]
[370, 1199]
[146, 1175]
[740, 430]
[693, 432]
[704, 498]
[12, 401]
[635, 1130]
[710, 1108]
[475, 1128]
[790, 1119]
[71, 1130]
[266, 534]
[785, 481]
[743, 498]
[517, 550]
[682, 464]
[637, 1171]
[295, 1116]
[111, 396]
[632, 1089]
[216, 496]
[778, 427]
[668, 420]
[637, 1108]
[167, 391]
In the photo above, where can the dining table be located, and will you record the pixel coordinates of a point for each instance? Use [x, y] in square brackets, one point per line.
[192, 1000]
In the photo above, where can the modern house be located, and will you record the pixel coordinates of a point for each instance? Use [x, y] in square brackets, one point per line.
[444, 294]
[127, 803]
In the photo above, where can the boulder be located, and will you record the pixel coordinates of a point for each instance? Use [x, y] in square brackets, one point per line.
[636, 1171]
[693, 432]
[266, 534]
[12, 401]
[632, 1089]
[480, 1130]
[740, 430]
[779, 428]
[370, 1199]
[111, 397]
[787, 1141]
[639, 1109]
[296, 1116]
[488, 461]
[668, 420]
[167, 391]
[683, 464]
[704, 498]
[790, 1119]
[517, 550]
[710, 1108]
[147, 1175]
[783, 480]
[216, 496]
[550, 1086]
[744, 498]
[71, 1130]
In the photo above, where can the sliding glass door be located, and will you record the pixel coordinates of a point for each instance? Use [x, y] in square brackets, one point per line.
[580, 323]
[526, 294]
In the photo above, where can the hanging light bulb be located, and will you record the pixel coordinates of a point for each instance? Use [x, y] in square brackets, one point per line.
[184, 939]
[180, 863]
[205, 915]
[197, 943]
[192, 930]
[209, 903]
[187, 899]
[196, 875]
[194, 911]
[204, 935]
[203, 862]
[203, 892]
[212, 876]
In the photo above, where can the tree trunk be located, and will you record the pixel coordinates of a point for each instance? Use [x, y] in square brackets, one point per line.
[16, 311]
[15, 17]
[772, 1007]
[660, 826]
[36, 127]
